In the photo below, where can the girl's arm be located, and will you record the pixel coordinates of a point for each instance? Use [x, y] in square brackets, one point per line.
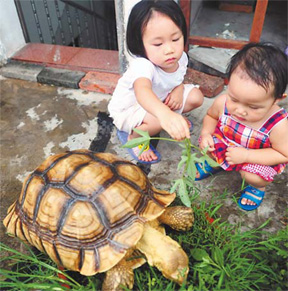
[172, 122]
[278, 154]
[209, 123]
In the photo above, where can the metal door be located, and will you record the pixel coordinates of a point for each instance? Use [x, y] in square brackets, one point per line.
[82, 23]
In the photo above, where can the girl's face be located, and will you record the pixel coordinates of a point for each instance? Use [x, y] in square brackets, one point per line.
[248, 102]
[163, 42]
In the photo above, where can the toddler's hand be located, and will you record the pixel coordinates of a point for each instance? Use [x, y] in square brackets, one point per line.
[206, 140]
[236, 155]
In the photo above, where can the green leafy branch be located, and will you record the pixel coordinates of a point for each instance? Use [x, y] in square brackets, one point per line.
[186, 165]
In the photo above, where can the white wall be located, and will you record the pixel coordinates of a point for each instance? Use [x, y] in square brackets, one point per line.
[123, 8]
[11, 35]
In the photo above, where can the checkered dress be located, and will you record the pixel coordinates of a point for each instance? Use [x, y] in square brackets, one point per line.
[230, 132]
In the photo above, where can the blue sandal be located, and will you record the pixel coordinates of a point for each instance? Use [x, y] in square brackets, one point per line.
[208, 171]
[123, 137]
[190, 124]
[247, 194]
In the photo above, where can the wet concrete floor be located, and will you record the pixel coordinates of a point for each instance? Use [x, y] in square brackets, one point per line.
[40, 120]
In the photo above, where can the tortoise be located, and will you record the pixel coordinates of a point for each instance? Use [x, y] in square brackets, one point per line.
[92, 212]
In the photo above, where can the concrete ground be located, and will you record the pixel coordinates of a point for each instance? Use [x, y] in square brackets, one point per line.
[40, 120]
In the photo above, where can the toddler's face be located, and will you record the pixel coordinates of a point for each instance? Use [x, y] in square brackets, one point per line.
[248, 102]
[163, 42]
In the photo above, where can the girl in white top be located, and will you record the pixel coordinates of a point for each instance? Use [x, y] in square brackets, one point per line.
[150, 96]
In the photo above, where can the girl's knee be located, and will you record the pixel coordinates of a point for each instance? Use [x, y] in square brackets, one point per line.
[195, 99]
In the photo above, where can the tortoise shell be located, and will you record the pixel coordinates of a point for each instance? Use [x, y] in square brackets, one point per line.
[85, 209]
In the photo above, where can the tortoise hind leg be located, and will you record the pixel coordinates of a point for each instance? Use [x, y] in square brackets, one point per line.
[178, 217]
[120, 275]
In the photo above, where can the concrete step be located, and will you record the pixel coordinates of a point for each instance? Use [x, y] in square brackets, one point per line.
[214, 58]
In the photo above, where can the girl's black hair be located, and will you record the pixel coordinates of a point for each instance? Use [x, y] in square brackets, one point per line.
[139, 17]
[264, 63]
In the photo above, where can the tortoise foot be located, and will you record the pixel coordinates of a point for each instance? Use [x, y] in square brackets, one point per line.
[178, 217]
[118, 277]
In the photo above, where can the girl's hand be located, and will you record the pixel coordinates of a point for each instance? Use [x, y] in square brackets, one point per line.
[236, 155]
[175, 125]
[174, 99]
[206, 140]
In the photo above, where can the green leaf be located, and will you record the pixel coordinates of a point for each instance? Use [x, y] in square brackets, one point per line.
[183, 193]
[181, 163]
[142, 133]
[217, 256]
[191, 170]
[211, 162]
[205, 150]
[220, 281]
[200, 160]
[190, 181]
[175, 185]
[135, 142]
[199, 254]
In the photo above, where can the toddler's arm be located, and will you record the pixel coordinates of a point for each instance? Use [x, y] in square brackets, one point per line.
[209, 123]
[174, 99]
[277, 154]
[170, 121]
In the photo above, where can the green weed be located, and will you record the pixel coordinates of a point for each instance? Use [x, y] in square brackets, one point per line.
[221, 257]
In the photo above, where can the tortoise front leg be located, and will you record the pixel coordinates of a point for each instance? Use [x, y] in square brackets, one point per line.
[120, 275]
[178, 217]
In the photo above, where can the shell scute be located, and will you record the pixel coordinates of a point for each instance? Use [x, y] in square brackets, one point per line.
[34, 187]
[49, 162]
[37, 241]
[64, 255]
[82, 224]
[50, 209]
[129, 234]
[109, 256]
[52, 252]
[65, 166]
[109, 158]
[90, 179]
[115, 205]
[134, 174]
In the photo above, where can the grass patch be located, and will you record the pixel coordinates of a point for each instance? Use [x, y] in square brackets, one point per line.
[221, 257]
[224, 258]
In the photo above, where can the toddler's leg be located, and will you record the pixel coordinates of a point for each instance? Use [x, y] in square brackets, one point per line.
[255, 181]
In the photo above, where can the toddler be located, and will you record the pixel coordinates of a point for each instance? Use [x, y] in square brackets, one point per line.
[245, 130]
[150, 96]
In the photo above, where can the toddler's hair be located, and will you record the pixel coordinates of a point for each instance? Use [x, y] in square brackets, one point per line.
[141, 14]
[264, 63]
